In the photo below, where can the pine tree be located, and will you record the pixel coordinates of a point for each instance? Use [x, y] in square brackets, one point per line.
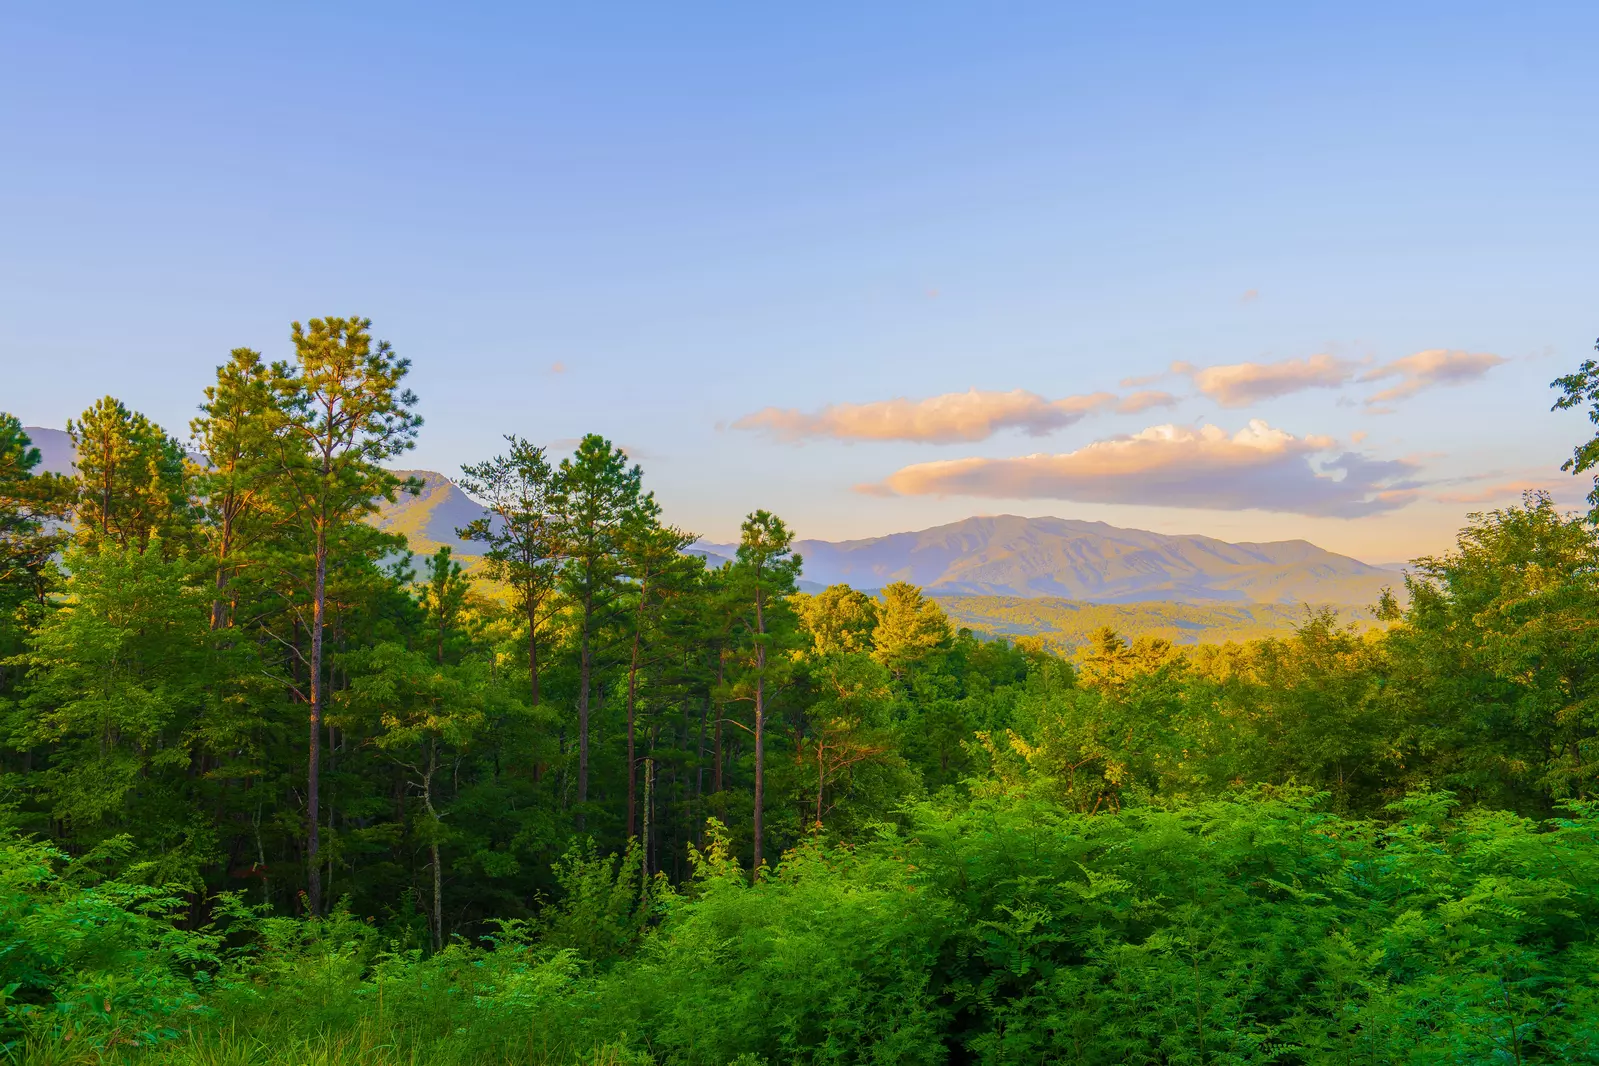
[658, 569]
[345, 414]
[33, 508]
[234, 436]
[596, 496]
[519, 532]
[763, 576]
[131, 479]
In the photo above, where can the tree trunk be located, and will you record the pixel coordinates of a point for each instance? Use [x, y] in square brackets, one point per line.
[760, 730]
[533, 650]
[314, 762]
[716, 764]
[433, 847]
[821, 780]
[699, 751]
[760, 752]
[649, 781]
[632, 694]
[224, 543]
[584, 667]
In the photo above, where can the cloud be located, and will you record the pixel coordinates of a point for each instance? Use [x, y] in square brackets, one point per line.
[1143, 401]
[1257, 468]
[1435, 366]
[1563, 490]
[955, 416]
[1243, 384]
[1140, 382]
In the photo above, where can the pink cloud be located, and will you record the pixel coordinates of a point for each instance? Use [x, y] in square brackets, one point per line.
[1561, 489]
[1243, 384]
[1435, 366]
[1144, 400]
[955, 416]
[1257, 468]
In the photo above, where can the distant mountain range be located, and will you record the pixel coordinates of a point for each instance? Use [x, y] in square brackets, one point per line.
[1092, 562]
[999, 556]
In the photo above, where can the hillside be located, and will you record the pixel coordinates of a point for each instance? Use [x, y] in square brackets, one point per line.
[429, 520]
[1067, 624]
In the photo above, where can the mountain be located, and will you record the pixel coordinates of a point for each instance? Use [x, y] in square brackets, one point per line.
[996, 556]
[1004, 555]
[56, 453]
[55, 449]
[1092, 562]
[430, 519]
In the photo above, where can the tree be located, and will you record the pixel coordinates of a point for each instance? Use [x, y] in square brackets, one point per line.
[656, 565]
[596, 495]
[118, 686]
[419, 707]
[763, 576]
[31, 505]
[849, 717]
[1497, 660]
[1576, 390]
[519, 532]
[910, 628]
[233, 434]
[345, 414]
[838, 619]
[33, 508]
[130, 476]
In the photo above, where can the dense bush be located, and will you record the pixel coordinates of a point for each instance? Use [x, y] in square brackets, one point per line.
[1253, 929]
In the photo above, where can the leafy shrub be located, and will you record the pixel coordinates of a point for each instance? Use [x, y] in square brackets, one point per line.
[99, 962]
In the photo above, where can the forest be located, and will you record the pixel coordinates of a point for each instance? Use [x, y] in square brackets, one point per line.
[273, 789]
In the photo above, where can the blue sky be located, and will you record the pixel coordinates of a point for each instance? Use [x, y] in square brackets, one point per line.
[698, 213]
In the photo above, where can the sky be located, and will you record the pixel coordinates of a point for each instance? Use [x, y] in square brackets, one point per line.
[1255, 271]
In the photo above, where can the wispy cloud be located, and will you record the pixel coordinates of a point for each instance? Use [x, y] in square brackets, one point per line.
[1563, 490]
[1144, 400]
[955, 416]
[1435, 366]
[1258, 467]
[1243, 384]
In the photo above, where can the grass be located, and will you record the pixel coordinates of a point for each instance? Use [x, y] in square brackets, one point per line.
[365, 1045]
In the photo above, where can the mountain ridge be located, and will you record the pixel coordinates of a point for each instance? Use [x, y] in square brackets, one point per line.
[1091, 562]
[990, 555]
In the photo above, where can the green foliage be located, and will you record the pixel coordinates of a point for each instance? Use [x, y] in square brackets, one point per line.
[1255, 929]
[96, 963]
[910, 628]
[1576, 390]
[534, 808]
[132, 482]
[1068, 626]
